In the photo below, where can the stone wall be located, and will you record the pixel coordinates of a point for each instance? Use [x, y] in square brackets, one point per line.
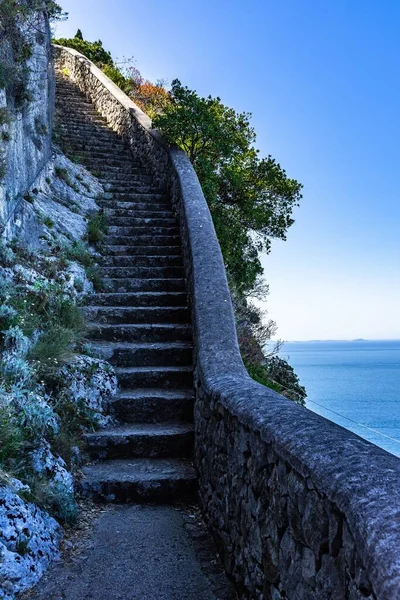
[301, 508]
[25, 141]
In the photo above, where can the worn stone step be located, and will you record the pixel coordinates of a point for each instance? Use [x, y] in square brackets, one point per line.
[99, 166]
[123, 180]
[124, 250]
[145, 354]
[139, 332]
[141, 261]
[134, 206]
[143, 230]
[139, 299]
[152, 377]
[124, 213]
[148, 199]
[143, 285]
[92, 137]
[145, 223]
[142, 272]
[96, 162]
[129, 314]
[164, 440]
[159, 480]
[130, 194]
[154, 405]
[75, 118]
[142, 240]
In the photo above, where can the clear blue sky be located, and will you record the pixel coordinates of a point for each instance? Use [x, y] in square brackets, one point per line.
[322, 81]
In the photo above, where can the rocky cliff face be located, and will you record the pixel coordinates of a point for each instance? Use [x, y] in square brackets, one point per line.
[26, 110]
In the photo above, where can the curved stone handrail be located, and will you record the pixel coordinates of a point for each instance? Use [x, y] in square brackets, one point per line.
[301, 508]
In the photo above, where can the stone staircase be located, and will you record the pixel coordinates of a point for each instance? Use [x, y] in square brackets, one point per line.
[140, 322]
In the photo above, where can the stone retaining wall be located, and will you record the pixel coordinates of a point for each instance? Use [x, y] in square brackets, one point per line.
[301, 508]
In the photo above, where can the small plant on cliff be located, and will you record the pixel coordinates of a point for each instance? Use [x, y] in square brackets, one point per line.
[97, 228]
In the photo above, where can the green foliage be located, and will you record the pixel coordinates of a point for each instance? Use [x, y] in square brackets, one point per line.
[63, 174]
[4, 116]
[12, 442]
[79, 252]
[48, 222]
[251, 199]
[93, 273]
[97, 228]
[56, 500]
[260, 374]
[281, 373]
[93, 50]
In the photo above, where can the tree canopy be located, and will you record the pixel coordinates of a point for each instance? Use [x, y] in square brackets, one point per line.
[251, 198]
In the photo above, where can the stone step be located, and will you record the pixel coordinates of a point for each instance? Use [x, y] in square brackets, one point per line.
[155, 377]
[145, 223]
[161, 440]
[99, 166]
[154, 405]
[143, 198]
[139, 299]
[141, 261]
[136, 315]
[130, 194]
[143, 230]
[136, 205]
[76, 120]
[143, 285]
[143, 272]
[119, 250]
[142, 240]
[130, 221]
[145, 354]
[91, 136]
[123, 213]
[139, 332]
[122, 180]
[97, 163]
[71, 105]
[164, 481]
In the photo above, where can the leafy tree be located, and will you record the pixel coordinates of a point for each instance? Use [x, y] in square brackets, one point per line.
[251, 199]
[93, 50]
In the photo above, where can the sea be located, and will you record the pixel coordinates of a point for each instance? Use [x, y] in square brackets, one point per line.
[356, 384]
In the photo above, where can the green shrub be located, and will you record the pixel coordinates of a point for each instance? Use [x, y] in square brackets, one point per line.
[48, 222]
[4, 116]
[12, 443]
[94, 275]
[63, 174]
[97, 228]
[56, 500]
[78, 251]
[52, 347]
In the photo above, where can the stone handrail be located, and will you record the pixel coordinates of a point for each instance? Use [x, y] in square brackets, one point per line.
[300, 507]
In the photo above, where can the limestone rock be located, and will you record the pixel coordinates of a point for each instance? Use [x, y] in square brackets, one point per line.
[90, 382]
[29, 540]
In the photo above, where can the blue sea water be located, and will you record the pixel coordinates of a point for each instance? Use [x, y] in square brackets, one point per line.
[355, 384]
